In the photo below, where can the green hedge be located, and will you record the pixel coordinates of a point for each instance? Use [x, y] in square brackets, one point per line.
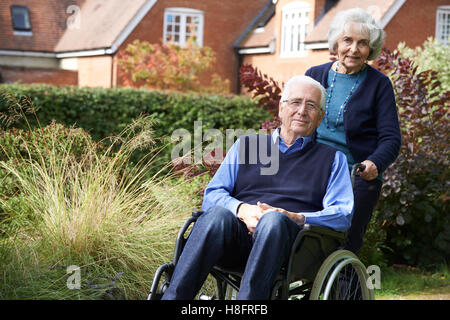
[105, 112]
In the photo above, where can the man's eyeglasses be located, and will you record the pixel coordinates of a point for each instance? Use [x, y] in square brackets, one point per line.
[295, 104]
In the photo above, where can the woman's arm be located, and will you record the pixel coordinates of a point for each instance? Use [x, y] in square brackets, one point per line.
[388, 127]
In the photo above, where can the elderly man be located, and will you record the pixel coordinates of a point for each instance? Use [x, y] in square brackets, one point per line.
[252, 217]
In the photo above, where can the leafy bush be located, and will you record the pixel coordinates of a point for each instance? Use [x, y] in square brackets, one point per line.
[105, 112]
[168, 66]
[415, 196]
[432, 55]
[265, 86]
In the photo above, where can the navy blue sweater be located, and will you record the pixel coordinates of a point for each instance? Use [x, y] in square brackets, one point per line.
[370, 118]
[300, 183]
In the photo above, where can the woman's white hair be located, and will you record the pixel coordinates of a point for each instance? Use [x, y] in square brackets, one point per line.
[365, 22]
[304, 79]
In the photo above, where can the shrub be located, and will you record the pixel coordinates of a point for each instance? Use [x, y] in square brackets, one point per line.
[432, 55]
[105, 112]
[168, 66]
[266, 87]
[414, 198]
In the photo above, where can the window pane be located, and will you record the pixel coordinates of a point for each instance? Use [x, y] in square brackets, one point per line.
[443, 25]
[292, 39]
[295, 26]
[20, 18]
[184, 25]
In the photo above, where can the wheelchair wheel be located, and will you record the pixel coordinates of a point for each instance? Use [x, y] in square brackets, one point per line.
[342, 276]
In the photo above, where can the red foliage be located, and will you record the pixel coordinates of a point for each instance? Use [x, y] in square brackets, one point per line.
[266, 87]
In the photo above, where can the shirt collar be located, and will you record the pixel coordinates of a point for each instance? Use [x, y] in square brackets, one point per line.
[299, 143]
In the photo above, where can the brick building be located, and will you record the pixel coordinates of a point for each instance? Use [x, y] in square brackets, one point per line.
[77, 42]
[282, 47]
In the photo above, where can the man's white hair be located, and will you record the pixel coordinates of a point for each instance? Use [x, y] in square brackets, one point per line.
[304, 79]
[365, 22]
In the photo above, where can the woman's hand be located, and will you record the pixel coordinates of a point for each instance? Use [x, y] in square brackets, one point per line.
[370, 172]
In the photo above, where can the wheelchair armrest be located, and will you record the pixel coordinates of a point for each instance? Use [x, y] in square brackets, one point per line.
[197, 213]
[317, 232]
[181, 239]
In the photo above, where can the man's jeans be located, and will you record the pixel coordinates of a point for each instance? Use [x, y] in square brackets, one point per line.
[220, 238]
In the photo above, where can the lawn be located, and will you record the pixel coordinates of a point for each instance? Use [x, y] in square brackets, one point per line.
[409, 283]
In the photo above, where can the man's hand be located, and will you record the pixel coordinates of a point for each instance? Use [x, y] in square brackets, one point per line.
[370, 172]
[297, 217]
[250, 215]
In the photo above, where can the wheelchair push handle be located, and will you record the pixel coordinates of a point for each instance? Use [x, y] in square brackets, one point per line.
[357, 167]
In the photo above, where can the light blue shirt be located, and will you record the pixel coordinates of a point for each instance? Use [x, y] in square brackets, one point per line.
[337, 202]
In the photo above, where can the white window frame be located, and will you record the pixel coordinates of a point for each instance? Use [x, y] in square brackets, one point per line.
[183, 13]
[295, 23]
[443, 25]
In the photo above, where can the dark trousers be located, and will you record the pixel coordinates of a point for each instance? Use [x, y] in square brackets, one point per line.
[219, 238]
[366, 195]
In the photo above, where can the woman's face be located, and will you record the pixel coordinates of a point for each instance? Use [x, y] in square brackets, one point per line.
[352, 49]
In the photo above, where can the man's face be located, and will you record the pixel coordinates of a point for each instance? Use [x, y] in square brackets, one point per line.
[301, 114]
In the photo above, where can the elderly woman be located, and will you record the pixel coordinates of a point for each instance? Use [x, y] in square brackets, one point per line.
[361, 117]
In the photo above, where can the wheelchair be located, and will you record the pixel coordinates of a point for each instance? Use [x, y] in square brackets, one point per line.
[317, 269]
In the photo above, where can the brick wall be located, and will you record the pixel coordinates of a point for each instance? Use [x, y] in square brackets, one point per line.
[413, 23]
[224, 21]
[36, 75]
[47, 26]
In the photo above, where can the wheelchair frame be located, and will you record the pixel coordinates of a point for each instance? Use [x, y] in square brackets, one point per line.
[318, 268]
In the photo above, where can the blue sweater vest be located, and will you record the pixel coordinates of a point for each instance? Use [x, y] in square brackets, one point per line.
[300, 183]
